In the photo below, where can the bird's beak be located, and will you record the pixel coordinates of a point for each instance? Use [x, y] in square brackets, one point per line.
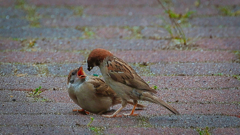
[81, 74]
[90, 68]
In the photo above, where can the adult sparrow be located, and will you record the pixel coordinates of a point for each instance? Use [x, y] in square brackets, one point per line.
[91, 93]
[123, 80]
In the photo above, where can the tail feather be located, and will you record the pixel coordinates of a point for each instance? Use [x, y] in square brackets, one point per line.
[148, 97]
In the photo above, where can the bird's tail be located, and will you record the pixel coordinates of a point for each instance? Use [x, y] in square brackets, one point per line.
[148, 97]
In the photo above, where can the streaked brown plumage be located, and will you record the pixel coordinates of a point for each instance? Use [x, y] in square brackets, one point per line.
[91, 93]
[123, 80]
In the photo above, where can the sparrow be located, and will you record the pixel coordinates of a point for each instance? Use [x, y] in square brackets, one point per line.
[123, 80]
[91, 93]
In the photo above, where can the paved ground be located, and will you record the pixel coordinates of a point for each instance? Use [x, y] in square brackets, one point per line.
[42, 40]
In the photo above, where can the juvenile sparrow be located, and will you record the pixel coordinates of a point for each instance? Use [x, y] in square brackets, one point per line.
[91, 93]
[123, 80]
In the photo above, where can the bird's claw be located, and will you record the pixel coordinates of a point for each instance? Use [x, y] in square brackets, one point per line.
[80, 111]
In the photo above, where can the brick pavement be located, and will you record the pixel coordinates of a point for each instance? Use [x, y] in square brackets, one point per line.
[42, 40]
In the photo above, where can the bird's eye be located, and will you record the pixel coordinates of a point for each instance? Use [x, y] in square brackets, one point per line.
[73, 73]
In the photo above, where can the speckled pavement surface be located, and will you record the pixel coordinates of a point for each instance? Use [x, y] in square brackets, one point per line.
[42, 40]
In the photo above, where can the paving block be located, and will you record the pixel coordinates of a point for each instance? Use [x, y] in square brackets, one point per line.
[111, 32]
[6, 69]
[227, 96]
[92, 21]
[41, 130]
[93, 2]
[30, 83]
[7, 3]
[187, 121]
[40, 33]
[197, 32]
[6, 44]
[13, 22]
[149, 130]
[163, 82]
[196, 69]
[226, 131]
[219, 43]
[192, 82]
[123, 11]
[170, 56]
[11, 12]
[109, 44]
[54, 12]
[12, 96]
[51, 120]
[227, 21]
[64, 69]
[41, 57]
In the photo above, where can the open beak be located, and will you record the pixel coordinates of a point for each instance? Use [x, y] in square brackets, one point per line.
[81, 74]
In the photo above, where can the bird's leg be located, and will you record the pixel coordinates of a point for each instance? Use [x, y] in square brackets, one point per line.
[132, 112]
[114, 114]
[124, 103]
[80, 111]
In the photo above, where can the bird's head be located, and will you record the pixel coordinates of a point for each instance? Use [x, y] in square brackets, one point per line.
[76, 74]
[96, 57]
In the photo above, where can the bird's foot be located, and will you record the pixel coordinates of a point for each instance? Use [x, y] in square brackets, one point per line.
[132, 112]
[80, 111]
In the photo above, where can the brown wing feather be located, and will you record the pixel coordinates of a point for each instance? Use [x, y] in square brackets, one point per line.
[122, 72]
[101, 88]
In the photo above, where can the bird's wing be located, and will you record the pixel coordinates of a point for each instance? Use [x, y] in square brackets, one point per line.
[121, 72]
[101, 88]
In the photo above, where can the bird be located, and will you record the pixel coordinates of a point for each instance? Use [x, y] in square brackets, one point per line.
[91, 93]
[124, 80]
